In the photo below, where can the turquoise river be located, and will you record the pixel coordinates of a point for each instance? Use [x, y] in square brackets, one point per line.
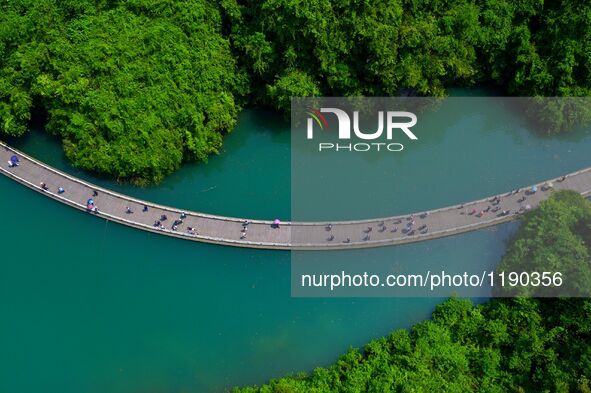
[91, 307]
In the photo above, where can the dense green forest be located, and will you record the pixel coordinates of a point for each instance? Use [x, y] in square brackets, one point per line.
[135, 87]
[555, 237]
[505, 345]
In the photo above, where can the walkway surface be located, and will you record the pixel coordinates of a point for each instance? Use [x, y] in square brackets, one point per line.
[288, 235]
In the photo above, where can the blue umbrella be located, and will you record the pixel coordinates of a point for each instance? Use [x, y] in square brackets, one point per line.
[534, 189]
[90, 202]
[14, 159]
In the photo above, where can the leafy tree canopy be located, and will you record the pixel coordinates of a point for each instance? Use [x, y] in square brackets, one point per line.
[132, 89]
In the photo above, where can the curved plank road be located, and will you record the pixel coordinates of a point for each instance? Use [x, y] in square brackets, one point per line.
[289, 235]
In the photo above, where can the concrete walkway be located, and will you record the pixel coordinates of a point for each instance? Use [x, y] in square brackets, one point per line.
[289, 235]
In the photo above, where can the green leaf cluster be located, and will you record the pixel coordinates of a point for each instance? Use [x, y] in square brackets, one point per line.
[398, 47]
[555, 237]
[132, 88]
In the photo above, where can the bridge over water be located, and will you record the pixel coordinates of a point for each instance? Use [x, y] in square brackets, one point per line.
[232, 231]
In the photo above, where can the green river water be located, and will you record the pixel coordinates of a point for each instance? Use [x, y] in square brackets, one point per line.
[91, 307]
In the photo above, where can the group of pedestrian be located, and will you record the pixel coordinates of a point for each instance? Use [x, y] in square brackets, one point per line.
[409, 228]
[244, 230]
[90, 203]
[45, 187]
[175, 224]
[14, 161]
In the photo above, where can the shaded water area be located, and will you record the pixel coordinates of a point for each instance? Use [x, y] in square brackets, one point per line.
[88, 306]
